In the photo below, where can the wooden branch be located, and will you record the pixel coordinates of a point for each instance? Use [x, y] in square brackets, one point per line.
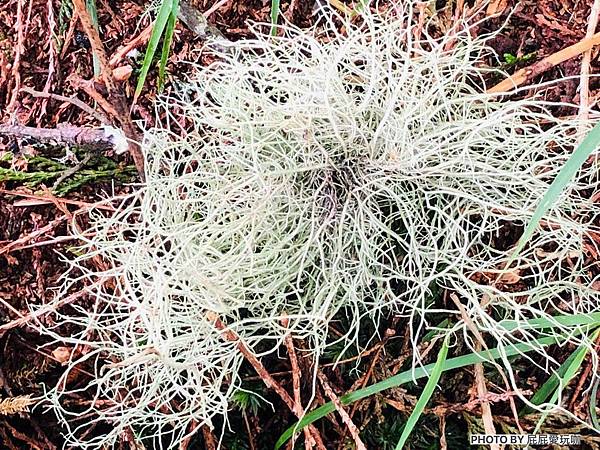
[93, 138]
[528, 73]
[72, 100]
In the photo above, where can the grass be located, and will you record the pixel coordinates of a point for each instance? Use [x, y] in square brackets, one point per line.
[164, 27]
[274, 16]
[591, 322]
[565, 176]
[434, 376]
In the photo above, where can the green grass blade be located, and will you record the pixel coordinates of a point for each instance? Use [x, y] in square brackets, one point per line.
[570, 372]
[408, 376]
[566, 174]
[436, 373]
[91, 7]
[568, 320]
[274, 16]
[166, 9]
[550, 386]
[593, 400]
[166, 48]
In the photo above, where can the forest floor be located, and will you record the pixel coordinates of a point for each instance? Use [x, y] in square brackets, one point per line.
[45, 52]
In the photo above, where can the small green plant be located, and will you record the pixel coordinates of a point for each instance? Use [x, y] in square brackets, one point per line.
[247, 401]
[512, 60]
[434, 376]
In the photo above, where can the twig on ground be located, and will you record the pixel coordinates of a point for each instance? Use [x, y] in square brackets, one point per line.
[249, 432]
[92, 138]
[486, 411]
[209, 439]
[52, 53]
[72, 100]
[42, 200]
[186, 441]
[341, 411]
[296, 375]
[48, 308]
[482, 392]
[136, 42]
[19, 49]
[15, 245]
[584, 83]
[266, 377]
[215, 7]
[32, 443]
[72, 170]
[528, 73]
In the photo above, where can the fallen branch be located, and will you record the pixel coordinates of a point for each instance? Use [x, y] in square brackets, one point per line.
[46, 309]
[296, 375]
[528, 73]
[72, 100]
[105, 138]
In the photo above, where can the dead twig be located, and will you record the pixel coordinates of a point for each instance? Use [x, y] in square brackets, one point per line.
[184, 444]
[44, 200]
[19, 49]
[52, 54]
[296, 375]
[215, 7]
[528, 73]
[46, 309]
[341, 411]
[136, 42]
[115, 96]
[584, 82]
[93, 138]
[15, 245]
[209, 439]
[72, 100]
[72, 170]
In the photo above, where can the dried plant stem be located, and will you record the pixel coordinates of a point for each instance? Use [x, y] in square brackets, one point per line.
[19, 49]
[584, 83]
[296, 376]
[528, 73]
[70, 135]
[341, 411]
[115, 95]
[72, 100]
